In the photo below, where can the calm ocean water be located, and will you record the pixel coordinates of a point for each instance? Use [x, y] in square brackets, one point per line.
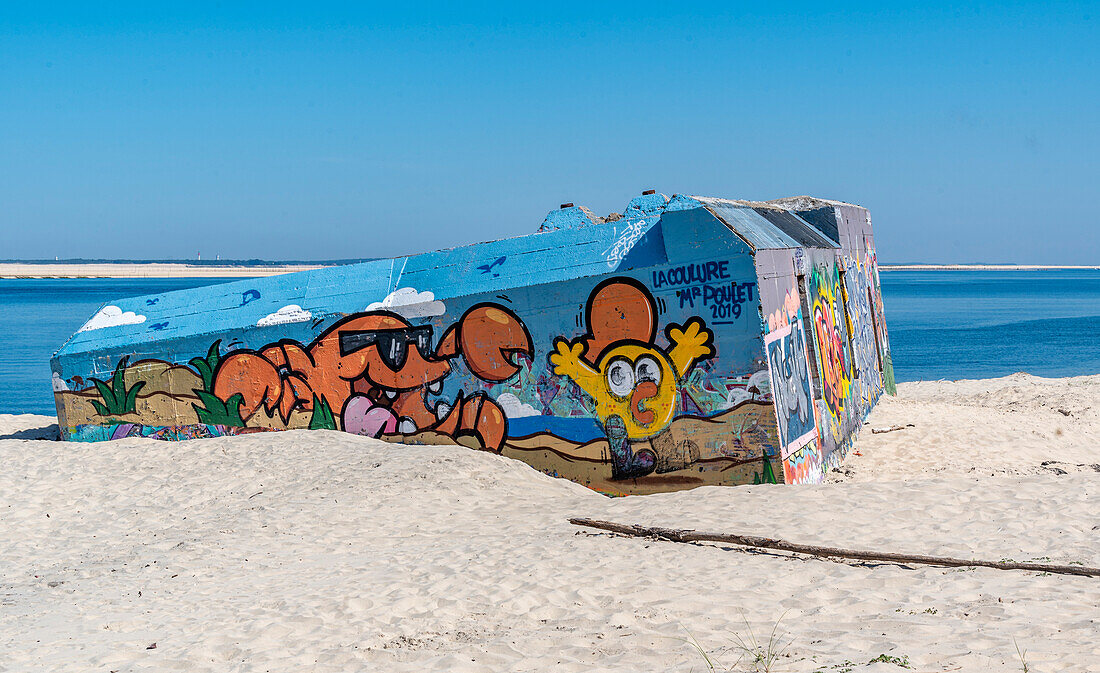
[942, 324]
[42, 314]
[981, 324]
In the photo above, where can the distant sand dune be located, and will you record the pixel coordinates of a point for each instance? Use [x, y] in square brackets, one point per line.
[152, 270]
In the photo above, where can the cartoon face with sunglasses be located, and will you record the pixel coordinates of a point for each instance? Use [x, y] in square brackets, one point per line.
[393, 344]
[378, 370]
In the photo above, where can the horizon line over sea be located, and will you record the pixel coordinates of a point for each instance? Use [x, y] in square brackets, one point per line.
[969, 323]
[212, 269]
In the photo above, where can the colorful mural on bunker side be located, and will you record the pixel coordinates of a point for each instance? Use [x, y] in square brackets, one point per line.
[643, 373]
[626, 393]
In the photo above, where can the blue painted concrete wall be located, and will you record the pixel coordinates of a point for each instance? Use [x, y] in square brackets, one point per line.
[627, 355]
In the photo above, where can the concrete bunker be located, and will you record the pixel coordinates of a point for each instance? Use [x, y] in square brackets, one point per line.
[690, 341]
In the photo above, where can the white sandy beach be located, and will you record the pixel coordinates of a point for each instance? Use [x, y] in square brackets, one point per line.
[321, 551]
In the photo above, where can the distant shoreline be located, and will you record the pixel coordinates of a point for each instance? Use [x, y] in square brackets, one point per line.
[148, 270]
[15, 270]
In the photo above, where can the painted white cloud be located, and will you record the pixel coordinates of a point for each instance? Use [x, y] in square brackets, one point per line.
[758, 384]
[515, 408]
[287, 314]
[112, 316]
[735, 397]
[760, 381]
[409, 303]
[59, 384]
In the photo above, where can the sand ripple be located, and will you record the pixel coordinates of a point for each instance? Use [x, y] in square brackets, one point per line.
[323, 551]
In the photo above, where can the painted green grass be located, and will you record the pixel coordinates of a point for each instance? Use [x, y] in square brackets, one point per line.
[215, 411]
[117, 399]
[322, 418]
[207, 365]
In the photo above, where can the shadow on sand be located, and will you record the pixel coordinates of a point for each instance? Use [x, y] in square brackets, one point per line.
[49, 432]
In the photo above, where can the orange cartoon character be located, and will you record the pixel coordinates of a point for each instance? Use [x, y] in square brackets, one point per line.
[378, 370]
[632, 380]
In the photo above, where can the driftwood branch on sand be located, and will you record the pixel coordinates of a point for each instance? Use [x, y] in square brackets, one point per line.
[673, 535]
[892, 428]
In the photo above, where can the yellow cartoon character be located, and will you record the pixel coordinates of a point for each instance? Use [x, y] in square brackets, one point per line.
[632, 381]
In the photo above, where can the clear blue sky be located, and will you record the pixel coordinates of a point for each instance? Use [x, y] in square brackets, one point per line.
[303, 131]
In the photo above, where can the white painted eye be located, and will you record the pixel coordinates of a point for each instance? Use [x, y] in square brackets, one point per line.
[620, 378]
[647, 369]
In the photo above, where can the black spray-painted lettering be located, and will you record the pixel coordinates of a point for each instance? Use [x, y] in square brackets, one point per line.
[724, 301]
[691, 274]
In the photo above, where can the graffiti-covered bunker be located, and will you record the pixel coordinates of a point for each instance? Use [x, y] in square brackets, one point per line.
[688, 341]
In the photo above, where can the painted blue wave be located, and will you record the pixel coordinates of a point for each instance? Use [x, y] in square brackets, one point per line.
[580, 430]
